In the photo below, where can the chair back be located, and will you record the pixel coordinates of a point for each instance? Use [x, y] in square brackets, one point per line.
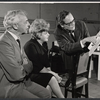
[79, 77]
[83, 63]
[82, 69]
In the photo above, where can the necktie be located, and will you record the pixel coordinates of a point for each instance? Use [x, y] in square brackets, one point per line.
[19, 43]
[71, 35]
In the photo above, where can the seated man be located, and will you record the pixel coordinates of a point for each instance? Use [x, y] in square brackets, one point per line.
[14, 70]
[73, 39]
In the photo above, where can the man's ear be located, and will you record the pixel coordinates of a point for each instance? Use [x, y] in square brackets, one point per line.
[15, 26]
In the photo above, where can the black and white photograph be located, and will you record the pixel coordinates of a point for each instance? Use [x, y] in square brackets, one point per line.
[49, 50]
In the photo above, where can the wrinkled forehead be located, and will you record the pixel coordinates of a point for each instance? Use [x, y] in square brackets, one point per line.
[68, 18]
[22, 18]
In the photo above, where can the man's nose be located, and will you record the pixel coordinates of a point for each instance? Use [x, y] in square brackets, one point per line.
[73, 23]
[48, 34]
[29, 25]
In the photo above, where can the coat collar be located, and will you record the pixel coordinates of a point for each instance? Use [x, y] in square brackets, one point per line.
[65, 33]
[12, 40]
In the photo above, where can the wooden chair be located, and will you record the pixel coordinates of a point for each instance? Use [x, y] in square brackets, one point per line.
[80, 72]
[79, 77]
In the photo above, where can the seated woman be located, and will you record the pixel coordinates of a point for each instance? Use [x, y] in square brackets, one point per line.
[38, 54]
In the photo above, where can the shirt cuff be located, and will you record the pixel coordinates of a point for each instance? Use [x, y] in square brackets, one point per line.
[82, 44]
[90, 46]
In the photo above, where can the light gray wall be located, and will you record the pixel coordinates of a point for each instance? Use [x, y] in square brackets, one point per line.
[30, 8]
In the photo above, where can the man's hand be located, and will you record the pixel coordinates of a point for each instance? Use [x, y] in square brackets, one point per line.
[92, 39]
[56, 43]
[27, 64]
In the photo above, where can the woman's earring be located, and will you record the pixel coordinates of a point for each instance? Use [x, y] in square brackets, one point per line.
[62, 26]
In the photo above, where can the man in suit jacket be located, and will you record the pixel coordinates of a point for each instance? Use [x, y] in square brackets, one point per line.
[14, 66]
[73, 39]
[71, 46]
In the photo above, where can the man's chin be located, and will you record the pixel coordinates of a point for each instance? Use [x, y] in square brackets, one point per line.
[25, 33]
[72, 28]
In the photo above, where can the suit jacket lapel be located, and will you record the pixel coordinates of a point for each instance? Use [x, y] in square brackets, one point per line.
[67, 36]
[13, 41]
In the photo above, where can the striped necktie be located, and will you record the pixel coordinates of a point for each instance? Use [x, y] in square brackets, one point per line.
[72, 36]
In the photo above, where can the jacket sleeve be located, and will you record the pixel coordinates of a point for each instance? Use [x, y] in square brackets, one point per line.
[67, 46]
[13, 69]
[33, 55]
[28, 65]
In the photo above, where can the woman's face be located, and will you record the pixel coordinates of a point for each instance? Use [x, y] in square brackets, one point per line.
[44, 36]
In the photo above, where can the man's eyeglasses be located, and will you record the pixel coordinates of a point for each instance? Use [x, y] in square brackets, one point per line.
[69, 22]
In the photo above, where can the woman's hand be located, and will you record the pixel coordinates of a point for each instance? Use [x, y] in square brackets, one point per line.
[48, 70]
[59, 79]
[56, 76]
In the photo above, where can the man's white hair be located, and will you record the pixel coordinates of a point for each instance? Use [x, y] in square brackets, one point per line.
[12, 17]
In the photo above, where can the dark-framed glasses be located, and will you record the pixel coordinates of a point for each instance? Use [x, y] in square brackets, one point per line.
[43, 30]
[70, 23]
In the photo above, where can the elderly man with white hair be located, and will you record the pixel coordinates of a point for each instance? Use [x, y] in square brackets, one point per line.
[14, 68]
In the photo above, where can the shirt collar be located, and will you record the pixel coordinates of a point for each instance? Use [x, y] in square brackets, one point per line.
[13, 35]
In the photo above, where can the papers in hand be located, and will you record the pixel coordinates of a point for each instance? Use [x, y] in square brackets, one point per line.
[92, 47]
